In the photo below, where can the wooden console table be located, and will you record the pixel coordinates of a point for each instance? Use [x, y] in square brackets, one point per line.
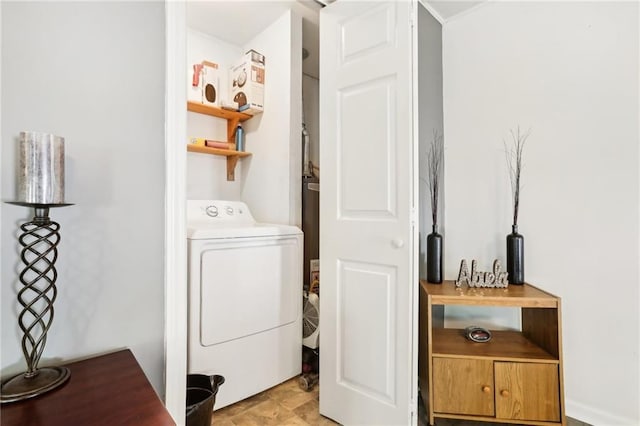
[107, 390]
[514, 378]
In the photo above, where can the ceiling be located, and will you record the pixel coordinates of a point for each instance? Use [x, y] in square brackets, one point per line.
[238, 21]
[449, 8]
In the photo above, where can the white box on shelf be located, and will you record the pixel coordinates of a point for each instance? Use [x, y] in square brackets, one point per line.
[204, 84]
[247, 82]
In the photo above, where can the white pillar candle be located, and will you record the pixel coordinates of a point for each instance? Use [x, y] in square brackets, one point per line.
[41, 172]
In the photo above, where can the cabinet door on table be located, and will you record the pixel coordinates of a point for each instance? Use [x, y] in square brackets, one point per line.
[527, 391]
[463, 386]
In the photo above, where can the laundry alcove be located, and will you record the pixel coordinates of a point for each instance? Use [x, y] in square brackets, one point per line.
[269, 180]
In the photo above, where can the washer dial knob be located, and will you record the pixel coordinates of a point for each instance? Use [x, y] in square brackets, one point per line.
[212, 211]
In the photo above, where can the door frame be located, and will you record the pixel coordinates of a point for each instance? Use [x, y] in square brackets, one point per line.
[175, 246]
[175, 238]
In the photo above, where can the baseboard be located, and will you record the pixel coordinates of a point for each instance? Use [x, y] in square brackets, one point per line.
[596, 417]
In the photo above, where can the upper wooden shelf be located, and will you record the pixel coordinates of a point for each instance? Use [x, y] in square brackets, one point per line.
[524, 296]
[217, 112]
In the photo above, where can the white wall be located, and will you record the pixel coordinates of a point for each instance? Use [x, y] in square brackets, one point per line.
[569, 71]
[94, 74]
[430, 95]
[274, 172]
[269, 180]
[207, 174]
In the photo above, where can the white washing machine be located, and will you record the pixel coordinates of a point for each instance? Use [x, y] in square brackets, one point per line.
[245, 297]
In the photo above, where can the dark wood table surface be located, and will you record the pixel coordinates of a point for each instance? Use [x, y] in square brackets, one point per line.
[106, 390]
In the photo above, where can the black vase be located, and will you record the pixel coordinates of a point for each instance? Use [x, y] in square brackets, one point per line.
[515, 257]
[434, 257]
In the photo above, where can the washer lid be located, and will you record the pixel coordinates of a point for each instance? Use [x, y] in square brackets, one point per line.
[209, 231]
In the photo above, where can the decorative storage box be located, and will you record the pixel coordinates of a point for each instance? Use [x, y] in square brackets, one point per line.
[247, 83]
[205, 83]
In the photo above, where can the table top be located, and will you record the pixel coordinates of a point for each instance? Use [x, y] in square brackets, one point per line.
[522, 295]
[106, 390]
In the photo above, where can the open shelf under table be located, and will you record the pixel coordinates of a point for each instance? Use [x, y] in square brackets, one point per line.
[504, 345]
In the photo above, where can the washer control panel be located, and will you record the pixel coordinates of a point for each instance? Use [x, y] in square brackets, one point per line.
[218, 211]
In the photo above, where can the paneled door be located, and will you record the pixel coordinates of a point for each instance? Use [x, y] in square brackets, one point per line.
[368, 240]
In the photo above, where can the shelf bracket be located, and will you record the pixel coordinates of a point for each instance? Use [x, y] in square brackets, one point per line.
[232, 160]
[232, 123]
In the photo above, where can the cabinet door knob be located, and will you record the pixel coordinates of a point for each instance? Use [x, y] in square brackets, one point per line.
[486, 389]
[504, 393]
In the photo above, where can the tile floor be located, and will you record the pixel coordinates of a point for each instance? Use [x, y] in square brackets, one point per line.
[287, 404]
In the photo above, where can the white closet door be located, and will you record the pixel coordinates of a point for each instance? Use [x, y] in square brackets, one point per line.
[367, 239]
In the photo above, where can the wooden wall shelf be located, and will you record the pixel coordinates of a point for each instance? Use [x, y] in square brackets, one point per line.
[233, 119]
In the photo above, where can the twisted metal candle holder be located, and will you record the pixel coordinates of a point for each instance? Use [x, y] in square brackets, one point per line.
[39, 241]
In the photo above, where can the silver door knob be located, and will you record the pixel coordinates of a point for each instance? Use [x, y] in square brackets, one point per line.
[397, 243]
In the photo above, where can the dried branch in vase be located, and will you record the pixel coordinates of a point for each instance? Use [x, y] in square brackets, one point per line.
[514, 163]
[434, 162]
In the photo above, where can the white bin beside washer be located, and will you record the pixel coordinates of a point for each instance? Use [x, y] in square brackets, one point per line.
[245, 293]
